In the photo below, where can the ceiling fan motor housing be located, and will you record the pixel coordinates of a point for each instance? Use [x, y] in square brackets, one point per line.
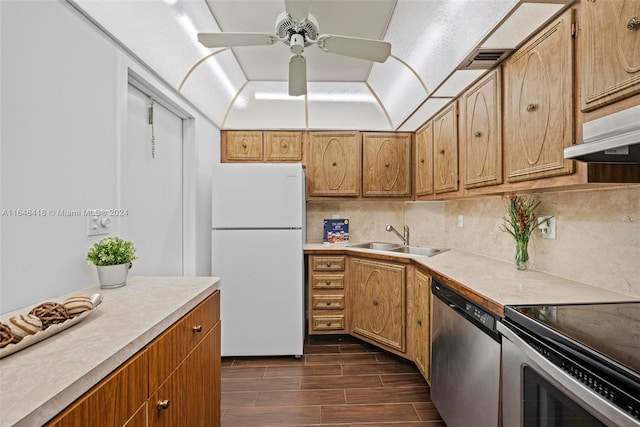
[286, 28]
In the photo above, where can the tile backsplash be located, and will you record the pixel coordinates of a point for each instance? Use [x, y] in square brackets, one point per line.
[598, 231]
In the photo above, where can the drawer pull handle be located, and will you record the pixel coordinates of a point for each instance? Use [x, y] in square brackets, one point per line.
[329, 323]
[197, 328]
[375, 302]
[163, 404]
[328, 264]
[328, 302]
[328, 282]
[633, 24]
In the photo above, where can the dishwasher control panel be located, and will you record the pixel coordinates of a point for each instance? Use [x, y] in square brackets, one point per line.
[480, 315]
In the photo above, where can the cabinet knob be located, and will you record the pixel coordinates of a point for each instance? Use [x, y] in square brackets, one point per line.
[477, 134]
[421, 160]
[633, 24]
[329, 323]
[531, 107]
[163, 404]
[419, 322]
[334, 164]
[386, 165]
[284, 146]
[244, 145]
[441, 151]
[375, 302]
[197, 328]
[328, 282]
[328, 264]
[328, 302]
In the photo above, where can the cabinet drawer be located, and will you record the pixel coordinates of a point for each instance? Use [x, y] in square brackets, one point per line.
[328, 302]
[328, 281]
[328, 263]
[173, 346]
[328, 323]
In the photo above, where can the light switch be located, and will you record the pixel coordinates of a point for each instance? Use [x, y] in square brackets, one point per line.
[98, 225]
[460, 221]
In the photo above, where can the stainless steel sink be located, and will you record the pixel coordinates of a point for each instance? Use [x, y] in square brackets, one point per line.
[378, 246]
[419, 250]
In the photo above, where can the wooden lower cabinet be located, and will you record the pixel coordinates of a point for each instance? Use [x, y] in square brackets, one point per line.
[175, 381]
[114, 401]
[421, 327]
[327, 296]
[378, 309]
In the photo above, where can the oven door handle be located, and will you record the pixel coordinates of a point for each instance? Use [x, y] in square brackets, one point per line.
[587, 398]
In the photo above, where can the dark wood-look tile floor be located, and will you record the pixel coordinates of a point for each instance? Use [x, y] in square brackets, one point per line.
[339, 381]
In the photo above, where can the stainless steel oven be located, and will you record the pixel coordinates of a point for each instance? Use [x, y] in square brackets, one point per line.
[572, 365]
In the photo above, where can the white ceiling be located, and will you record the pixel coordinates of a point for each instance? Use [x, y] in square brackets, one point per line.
[245, 87]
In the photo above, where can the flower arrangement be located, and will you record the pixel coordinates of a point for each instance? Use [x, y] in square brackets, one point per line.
[111, 251]
[520, 222]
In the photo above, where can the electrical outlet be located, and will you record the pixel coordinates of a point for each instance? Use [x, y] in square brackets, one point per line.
[460, 221]
[98, 225]
[548, 228]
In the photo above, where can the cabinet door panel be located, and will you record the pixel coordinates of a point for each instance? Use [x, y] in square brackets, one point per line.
[445, 150]
[190, 396]
[423, 160]
[242, 146]
[422, 316]
[283, 146]
[112, 402]
[334, 164]
[483, 133]
[611, 51]
[386, 170]
[379, 302]
[539, 105]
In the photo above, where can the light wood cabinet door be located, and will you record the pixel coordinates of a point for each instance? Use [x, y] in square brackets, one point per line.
[538, 110]
[334, 164]
[113, 401]
[241, 146]
[386, 164]
[283, 146]
[610, 51]
[483, 132]
[421, 327]
[378, 302]
[445, 150]
[189, 396]
[423, 160]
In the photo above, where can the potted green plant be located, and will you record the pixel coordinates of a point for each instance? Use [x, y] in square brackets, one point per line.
[113, 258]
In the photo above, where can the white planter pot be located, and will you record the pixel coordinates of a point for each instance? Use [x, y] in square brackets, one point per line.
[113, 276]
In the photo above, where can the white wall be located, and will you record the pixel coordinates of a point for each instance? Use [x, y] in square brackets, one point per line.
[62, 109]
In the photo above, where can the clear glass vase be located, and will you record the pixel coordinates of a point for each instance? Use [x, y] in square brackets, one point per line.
[522, 254]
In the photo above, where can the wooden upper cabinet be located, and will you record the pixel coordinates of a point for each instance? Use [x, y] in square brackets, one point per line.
[538, 119]
[445, 150]
[334, 164]
[423, 160]
[386, 164]
[610, 49]
[483, 132]
[241, 146]
[283, 146]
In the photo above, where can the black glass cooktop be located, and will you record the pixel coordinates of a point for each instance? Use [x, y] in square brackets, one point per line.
[610, 331]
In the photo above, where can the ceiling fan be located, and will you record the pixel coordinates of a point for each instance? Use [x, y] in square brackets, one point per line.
[298, 28]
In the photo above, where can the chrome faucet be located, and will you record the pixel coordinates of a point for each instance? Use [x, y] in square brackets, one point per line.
[405, 238]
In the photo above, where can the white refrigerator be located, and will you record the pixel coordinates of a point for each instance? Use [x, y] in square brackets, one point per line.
[257, 238]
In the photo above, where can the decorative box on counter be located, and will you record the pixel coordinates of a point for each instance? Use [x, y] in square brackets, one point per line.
[336, 231]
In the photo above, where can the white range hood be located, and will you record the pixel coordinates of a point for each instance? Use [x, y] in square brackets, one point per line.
[611, 139]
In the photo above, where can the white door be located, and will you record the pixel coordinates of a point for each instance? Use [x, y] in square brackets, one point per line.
[152, 187]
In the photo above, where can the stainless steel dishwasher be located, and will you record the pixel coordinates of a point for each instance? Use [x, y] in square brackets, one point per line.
[465, 365]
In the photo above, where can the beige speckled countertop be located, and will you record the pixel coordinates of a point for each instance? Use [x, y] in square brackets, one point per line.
[38, 382]
[497, 281]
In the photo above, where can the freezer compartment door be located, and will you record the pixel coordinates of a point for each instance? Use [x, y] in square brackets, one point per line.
[258, 195]
[261, 291]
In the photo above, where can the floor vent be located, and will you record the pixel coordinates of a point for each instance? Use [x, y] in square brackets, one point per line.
[484, 59]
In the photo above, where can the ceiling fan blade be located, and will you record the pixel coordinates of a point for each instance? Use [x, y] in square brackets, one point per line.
[297, 75]
[236, 39]
[371, 50]
[297, 9]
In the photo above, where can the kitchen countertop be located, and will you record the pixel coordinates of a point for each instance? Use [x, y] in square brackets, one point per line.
[39, 381]
[495, 283]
